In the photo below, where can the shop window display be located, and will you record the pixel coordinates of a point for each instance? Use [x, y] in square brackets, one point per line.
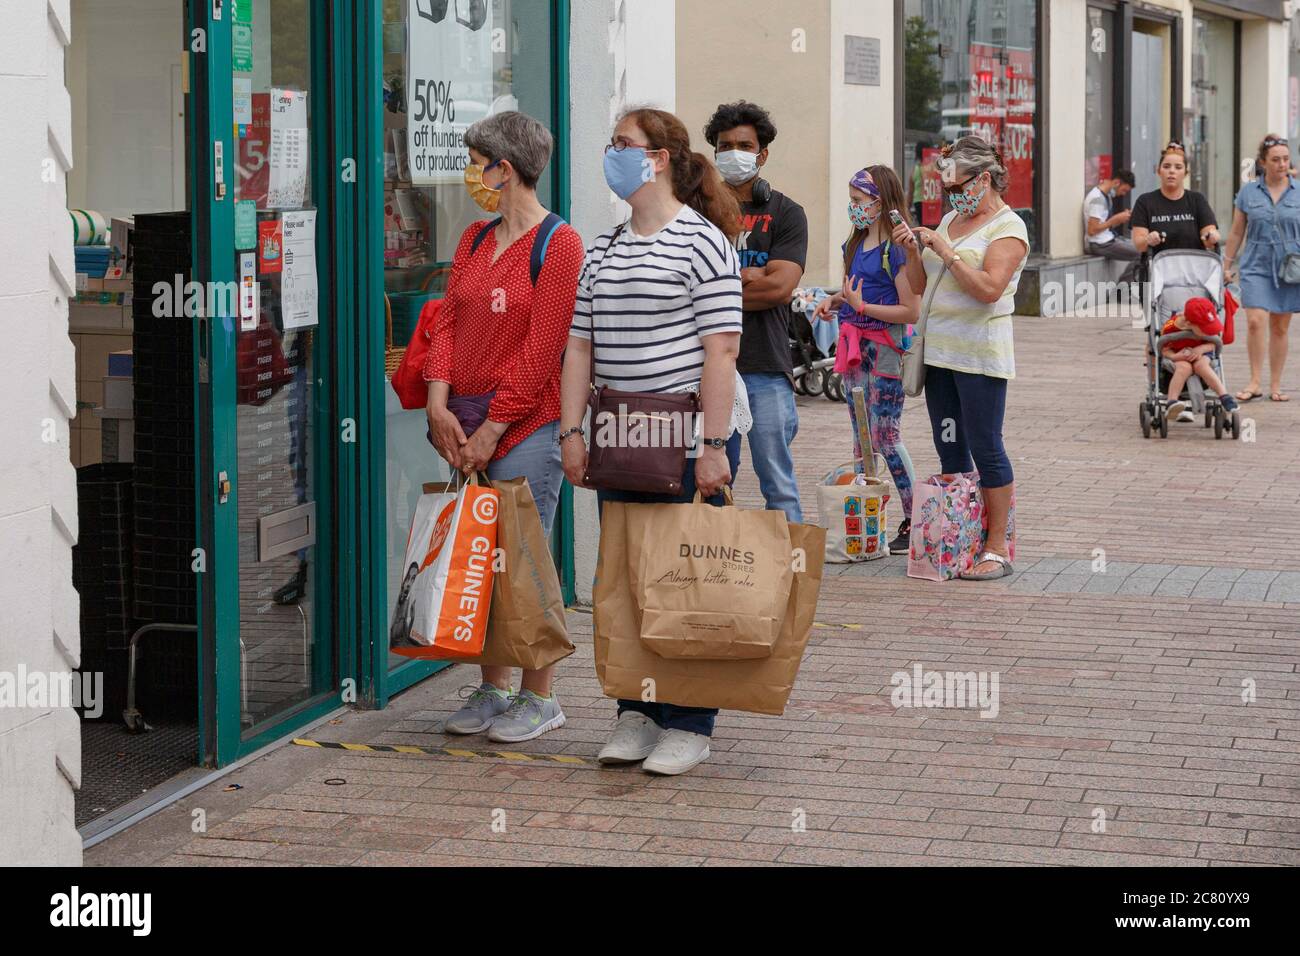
[445, 65]
[970, 69]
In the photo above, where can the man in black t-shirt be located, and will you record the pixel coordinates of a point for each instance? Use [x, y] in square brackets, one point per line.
[772, 246]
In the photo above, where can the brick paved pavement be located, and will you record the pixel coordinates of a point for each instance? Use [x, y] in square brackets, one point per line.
[1120, 693]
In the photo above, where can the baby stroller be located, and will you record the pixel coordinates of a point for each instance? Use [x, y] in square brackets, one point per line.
[1176, 275]
[812, 363]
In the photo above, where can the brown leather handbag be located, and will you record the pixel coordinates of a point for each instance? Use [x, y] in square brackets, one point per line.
[639, 440]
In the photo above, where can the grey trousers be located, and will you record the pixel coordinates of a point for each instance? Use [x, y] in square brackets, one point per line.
[1122, 249]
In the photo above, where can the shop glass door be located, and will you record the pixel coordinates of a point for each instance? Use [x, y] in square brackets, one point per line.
[266, 365]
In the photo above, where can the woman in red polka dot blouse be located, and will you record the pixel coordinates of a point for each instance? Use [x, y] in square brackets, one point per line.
[494, 369]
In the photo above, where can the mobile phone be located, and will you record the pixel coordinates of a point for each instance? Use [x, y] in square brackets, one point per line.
[897, 219]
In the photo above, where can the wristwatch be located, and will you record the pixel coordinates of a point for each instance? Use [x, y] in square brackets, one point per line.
[715, 442]
[956, 258]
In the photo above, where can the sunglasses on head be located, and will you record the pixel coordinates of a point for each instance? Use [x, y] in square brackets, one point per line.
[1274, 141]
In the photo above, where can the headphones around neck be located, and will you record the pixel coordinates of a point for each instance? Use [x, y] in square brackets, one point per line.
[762, 192]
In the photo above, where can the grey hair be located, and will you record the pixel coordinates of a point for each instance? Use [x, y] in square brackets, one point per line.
[972, 155]
[515, 137]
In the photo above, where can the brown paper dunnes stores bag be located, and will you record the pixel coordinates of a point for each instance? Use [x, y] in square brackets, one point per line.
[710, 583]
[628, 669]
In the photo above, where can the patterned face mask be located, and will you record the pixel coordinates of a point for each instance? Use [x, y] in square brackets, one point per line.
[860, 218]
[965, 204]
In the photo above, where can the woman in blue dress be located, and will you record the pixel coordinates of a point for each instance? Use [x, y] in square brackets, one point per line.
[1267, 219]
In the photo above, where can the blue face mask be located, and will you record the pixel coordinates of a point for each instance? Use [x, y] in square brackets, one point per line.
[626, 170]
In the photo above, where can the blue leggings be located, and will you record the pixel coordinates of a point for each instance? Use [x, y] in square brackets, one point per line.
[966, 412]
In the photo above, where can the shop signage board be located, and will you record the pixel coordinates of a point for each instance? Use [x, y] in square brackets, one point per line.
[449, 84]
[288, 153]
[298, 289]
[245, 224]
[862, 61]
[241, 36]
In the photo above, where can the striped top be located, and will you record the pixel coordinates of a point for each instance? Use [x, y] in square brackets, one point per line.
[961, 333]
[653, 298]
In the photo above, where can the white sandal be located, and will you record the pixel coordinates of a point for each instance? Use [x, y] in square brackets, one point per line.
[1004, 568]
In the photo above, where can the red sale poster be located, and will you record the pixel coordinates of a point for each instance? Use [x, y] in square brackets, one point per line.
[931, 189]
[254, 145]
[1002, 102]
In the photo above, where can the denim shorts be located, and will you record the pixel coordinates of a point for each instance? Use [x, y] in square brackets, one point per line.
[536, 458]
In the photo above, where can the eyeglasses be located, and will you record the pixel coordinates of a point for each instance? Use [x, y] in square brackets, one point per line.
[620, 144]
[1274, 141]
[1174, 144]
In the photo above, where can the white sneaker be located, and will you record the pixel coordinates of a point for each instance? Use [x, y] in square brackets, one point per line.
[1174, 409]
[677, 752]
[634, 738]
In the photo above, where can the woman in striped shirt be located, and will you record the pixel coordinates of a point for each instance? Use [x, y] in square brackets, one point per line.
[662, 292]
[968, 349]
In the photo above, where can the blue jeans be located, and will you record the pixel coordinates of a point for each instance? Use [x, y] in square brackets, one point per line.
[696, 720]
[966, 412]
[776, 422]
[536, 458]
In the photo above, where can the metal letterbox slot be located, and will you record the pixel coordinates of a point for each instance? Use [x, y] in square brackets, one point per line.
[286, 531]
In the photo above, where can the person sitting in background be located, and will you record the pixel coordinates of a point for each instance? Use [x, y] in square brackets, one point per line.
[1099, 238]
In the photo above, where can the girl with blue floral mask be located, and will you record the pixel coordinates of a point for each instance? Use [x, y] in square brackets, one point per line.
[875, 308]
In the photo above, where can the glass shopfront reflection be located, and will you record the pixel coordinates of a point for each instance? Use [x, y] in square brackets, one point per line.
[971, 70]
[504, 52]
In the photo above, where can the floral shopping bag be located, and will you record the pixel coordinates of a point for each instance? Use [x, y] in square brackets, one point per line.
[948, 526]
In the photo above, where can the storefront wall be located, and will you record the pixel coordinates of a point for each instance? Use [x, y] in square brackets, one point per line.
[40, 749]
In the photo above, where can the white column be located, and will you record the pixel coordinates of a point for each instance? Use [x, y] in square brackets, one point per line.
[860, 127]
[1264, 85]
[1064, 145]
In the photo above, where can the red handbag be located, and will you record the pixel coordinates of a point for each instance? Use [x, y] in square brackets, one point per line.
[408, 380]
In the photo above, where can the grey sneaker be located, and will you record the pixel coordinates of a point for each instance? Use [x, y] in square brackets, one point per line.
[483, 705]
[527, 717]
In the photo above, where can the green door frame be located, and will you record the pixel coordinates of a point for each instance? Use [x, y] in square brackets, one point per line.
[210, 122]
[378, 683]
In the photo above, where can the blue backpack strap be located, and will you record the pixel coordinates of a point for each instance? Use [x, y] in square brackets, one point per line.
[482, 234]
[547, 229]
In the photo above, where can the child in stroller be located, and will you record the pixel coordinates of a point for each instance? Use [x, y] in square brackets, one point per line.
[1191, 354]
[1184, 344]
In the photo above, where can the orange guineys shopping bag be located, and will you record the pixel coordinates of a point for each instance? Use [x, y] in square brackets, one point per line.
[446, 592]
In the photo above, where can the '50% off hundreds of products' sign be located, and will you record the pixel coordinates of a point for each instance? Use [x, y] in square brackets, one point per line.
[448, 84]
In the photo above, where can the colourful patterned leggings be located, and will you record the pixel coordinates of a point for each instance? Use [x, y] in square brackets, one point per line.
[885, 410]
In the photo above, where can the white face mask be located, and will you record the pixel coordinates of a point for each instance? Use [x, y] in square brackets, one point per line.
[737, 166]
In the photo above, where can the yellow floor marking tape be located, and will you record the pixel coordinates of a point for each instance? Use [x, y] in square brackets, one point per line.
[446, 752]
